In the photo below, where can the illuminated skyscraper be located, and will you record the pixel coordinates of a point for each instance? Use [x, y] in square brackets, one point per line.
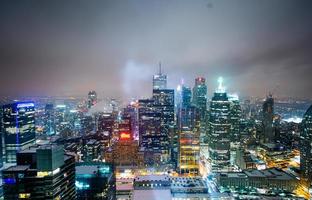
[159, 80]
[219, 130]
[200, 96]
[306, 145]
[18, 128]
[49, 121]
[188, 114]
[267, 122]
[186, 95]
[164, 102]
[189, 152]
[235, 117]
[152, 136]
[92, 98]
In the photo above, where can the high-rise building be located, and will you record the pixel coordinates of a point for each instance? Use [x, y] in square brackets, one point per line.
[189, 152]
[49, 121]
[18, 128]
[153, 137]
[95, 180]
[159, 80]
[1, 139]
[267, 122]
[306, 145]
[219, 130]
[200, 96]
[92, 98]
[235, 117]
[188, 115]
[186, 96]
[164, 102]
[41, 173]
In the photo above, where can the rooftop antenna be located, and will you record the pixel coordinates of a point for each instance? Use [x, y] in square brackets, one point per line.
[159, 68]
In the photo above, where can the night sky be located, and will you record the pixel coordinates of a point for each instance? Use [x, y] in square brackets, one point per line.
[114, 47]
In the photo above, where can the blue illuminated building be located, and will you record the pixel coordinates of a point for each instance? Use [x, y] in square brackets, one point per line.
[18, 128]
[95, 180]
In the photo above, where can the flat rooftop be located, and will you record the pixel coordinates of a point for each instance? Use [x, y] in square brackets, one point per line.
[164, 194]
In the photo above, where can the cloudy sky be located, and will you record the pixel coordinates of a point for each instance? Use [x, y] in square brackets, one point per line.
[114, 46]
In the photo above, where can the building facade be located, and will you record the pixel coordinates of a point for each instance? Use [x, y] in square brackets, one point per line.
[18, 128]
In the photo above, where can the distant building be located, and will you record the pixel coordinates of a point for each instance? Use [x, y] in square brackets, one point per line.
[18, 128]
[95, 180]
[268, 113]
[306, 145]
[49, 121]
[92, 98]
[219, 130]
[159, 80]
[41, 173]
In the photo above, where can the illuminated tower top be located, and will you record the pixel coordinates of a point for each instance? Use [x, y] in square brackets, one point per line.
[221, 88]
[159, 80]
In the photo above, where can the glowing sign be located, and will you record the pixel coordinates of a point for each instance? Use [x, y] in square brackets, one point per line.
[125, 136]
[23, 105]
[9, 181]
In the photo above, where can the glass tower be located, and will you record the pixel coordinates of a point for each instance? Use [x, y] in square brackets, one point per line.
[18, 128]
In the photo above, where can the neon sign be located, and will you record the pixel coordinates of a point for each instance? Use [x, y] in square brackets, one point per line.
[125, 136]
[23, 105]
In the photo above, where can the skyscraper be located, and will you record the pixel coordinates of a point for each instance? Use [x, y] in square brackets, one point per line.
[92, 98]
[18, 127]
[159, 80]
[152, 136]
[188, 115]
[267, 122]
[219, 130]
[49, 120]
[164, 102]
[306, 145]
[43, 172]
[200, 96]
[235, 117]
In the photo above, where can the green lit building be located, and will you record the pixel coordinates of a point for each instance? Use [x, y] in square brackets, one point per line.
[95, 180]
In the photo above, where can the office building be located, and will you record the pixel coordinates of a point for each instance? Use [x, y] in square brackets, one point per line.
[49, 122]
[189, 152]
[95, 180]
[153, 137]
[235, 117]
[219, 130]
[306, 145]
[200, 96]
[267, 122]
[159, 80]
[18, 128]
[41, 173]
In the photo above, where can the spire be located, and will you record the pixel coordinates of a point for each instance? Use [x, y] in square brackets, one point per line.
[159, 68]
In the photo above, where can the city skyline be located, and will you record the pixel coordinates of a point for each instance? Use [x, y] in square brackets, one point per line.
[114, 47]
